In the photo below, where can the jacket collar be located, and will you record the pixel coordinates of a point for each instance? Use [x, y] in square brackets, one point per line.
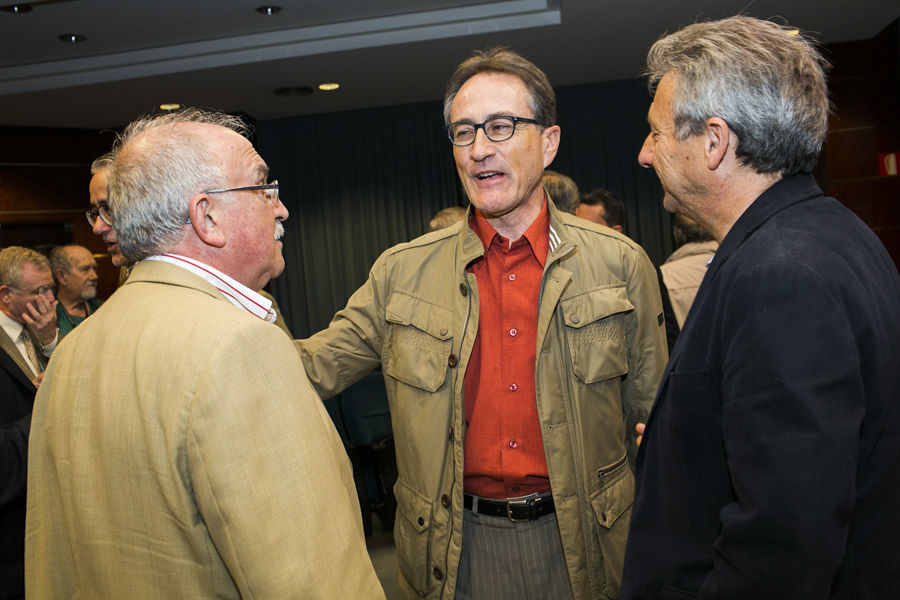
[469, 246]
[783, 194]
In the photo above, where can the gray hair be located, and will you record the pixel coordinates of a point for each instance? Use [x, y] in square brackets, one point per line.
[13, 260]
[101, 162]
[562, 190]
[59, 260]
[446, 217]
[542, 98]
[151, 184]
[765, 80]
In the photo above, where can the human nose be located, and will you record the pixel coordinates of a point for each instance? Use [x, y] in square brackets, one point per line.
[645, 156]
[481, 146]
[281, 211]
[99, 227]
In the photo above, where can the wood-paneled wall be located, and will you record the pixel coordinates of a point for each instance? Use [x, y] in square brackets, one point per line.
[44, 177]
[865, 91]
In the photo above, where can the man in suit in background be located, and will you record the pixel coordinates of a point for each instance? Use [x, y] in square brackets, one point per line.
[769, 462]
[178, 449]
[16, 399]
[28, 330]
[25, 291]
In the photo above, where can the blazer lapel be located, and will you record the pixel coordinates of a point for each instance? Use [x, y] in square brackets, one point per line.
[9, 346]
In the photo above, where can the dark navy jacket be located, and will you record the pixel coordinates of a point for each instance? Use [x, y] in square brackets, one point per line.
[770, 466]
[16, 399]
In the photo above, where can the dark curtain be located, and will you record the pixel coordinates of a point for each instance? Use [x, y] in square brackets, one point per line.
[358, 182]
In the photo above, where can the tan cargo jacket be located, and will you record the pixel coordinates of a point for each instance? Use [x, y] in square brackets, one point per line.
[601, 351]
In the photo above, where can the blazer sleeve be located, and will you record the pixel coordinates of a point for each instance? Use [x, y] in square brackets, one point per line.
[792, 408]
[271, 478]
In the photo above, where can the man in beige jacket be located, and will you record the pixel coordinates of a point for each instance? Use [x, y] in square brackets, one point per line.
[178, 449]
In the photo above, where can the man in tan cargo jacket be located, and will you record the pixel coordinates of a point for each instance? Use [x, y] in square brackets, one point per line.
[519, 486]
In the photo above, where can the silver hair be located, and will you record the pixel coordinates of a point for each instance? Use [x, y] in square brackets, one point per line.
[101, 162]
[446, 217]
[13, 260]
[157, 168]
[765, 80]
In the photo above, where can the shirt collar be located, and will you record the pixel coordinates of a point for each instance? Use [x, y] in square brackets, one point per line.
[239, 294]
[12, 327]
[537, 235]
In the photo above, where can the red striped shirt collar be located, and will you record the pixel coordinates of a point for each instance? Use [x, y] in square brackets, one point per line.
[239, 294]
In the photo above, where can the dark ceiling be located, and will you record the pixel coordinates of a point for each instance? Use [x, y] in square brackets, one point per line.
[225, 54]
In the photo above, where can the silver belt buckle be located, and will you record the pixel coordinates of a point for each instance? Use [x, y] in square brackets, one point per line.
[523, 501]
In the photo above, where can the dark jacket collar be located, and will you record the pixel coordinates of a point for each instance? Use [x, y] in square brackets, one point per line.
[783, 193]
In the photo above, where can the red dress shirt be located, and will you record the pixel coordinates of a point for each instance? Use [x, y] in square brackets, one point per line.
[504, 453]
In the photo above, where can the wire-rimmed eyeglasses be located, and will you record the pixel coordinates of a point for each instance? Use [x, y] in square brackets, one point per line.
[269, 190]
[496, 129]
[101, 211]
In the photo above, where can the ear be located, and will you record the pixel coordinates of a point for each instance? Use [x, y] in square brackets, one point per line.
[618, 228]
[550, 143]
[716, 139]
[205, 219]
[60, 276]
[5, 292]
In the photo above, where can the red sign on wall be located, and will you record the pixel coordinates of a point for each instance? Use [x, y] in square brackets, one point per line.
[888, 163]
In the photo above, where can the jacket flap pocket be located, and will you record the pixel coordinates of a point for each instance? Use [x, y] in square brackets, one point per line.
[593, 305]
[413, 506]
[613, 499]
[434, 320]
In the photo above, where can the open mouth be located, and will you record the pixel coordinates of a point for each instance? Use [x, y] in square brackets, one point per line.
[488, 175]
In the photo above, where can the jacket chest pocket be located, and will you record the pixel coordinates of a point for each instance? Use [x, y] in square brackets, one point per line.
[419, 342]
[595, 329]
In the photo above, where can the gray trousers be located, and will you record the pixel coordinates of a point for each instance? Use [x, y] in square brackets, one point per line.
[503, 560]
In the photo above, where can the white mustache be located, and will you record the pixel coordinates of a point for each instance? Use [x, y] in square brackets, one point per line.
[279, 230]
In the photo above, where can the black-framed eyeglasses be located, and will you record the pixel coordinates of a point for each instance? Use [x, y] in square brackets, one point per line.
[101, 211]
[496, 129]
[269, 190]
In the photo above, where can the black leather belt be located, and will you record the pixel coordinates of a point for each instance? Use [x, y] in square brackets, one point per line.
[526, 508]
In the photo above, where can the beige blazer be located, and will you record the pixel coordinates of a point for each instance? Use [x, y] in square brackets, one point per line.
[179, 451]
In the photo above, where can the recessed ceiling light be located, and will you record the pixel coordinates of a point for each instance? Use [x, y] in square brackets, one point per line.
[299, 90]
[17, 8]
[72, 38]
[268, 10]
[170, 106]
[327, 87]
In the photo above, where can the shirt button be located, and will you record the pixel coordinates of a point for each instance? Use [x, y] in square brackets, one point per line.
[513, 387]
[438, 574]
[513, 332]
[512, 276]
[445, 500]
[462, 289]
[513, 444]
[451, 361]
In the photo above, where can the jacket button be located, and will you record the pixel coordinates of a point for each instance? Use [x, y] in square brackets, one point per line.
[463, 290]
[452, 361]
[445, 500]
[420, 521]
[443, 331]
[574, 319]
[438, 574]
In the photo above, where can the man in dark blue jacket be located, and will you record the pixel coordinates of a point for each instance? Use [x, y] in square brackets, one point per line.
[770, 465]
